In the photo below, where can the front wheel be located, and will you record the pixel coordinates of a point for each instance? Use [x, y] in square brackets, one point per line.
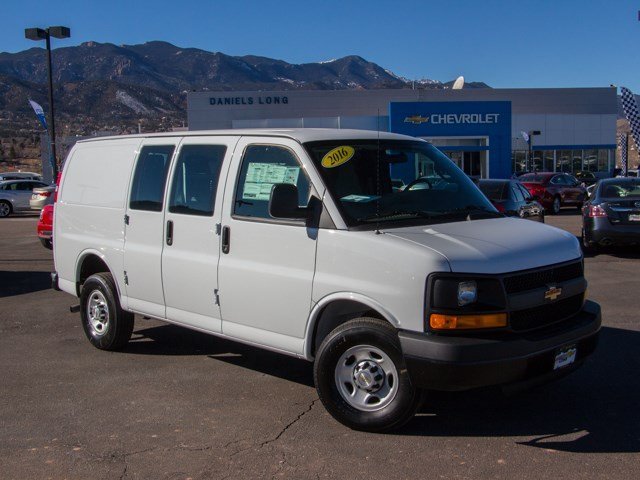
[555, 206]
[105, 323]
[361, 378]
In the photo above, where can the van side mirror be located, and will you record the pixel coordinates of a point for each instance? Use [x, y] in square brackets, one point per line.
[283, 202]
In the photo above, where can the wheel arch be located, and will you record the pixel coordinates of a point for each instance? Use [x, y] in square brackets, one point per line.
[90, 262]
[334, 310]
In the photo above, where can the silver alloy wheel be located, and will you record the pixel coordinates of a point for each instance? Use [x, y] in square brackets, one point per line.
[556, 205]
[5, 209]
[366, 378]
[98, 313]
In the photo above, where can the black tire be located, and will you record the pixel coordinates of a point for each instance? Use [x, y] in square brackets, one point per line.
[47, 243]
[362, 333]
[5, 209]
[555, 206]
[100, 305]
[588, 246]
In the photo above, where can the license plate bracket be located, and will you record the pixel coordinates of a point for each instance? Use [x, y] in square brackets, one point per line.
[565, 356]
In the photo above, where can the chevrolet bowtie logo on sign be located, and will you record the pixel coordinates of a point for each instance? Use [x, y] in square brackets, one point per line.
[552, 293]
[416, 119]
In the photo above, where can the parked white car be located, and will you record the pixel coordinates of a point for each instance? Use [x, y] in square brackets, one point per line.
[16, 194]
[297, 242]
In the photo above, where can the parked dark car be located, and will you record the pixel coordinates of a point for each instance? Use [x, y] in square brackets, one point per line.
[612, 214]
[586, 178]
[555, 190]
[512, 198]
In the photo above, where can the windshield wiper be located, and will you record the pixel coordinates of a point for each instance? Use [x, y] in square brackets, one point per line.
[395, 214]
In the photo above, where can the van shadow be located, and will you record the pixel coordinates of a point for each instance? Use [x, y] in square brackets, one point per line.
[593, 410]
[21, 282]
[174, 340]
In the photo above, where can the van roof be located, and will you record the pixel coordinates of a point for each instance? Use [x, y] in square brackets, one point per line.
[301, 135]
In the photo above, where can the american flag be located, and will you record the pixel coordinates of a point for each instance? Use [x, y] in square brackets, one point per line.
[622, 144]
[630, 107]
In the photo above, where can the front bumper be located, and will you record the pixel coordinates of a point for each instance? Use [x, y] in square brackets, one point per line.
[454, 363]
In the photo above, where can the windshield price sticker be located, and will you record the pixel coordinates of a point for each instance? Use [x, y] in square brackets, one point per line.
[337, 156]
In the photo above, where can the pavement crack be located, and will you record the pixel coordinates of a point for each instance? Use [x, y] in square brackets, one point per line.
[290, 424]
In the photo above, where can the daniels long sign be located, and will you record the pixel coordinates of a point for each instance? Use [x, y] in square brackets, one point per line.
[261, 100]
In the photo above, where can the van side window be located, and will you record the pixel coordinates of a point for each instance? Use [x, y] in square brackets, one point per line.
[195, 179]
[262, 167]
[147, 190]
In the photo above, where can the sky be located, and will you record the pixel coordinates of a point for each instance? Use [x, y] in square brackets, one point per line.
[506, 44]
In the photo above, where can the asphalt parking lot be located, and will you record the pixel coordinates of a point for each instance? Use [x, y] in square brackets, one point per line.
[182, 405]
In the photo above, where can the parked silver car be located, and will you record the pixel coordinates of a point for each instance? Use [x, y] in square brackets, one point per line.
[20, 176]
[16, 194]
[42, 196]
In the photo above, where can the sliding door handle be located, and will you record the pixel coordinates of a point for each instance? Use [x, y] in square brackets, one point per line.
[169, 232]
[226, 239]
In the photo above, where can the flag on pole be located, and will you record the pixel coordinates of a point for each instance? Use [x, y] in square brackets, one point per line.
[525, 135]
[622, 144]
[630, 107]
[39, 113]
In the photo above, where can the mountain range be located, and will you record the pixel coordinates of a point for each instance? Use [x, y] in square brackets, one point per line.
[105, 86]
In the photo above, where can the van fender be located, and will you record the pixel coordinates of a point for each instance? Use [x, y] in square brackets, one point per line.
[333, 297]
[84, 254]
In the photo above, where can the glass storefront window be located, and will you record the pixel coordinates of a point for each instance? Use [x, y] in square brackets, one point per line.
[563, 161]
[549, 157]
[591, 160]
[519, 160]
[536, 162]
[603, 160]
[576, 160]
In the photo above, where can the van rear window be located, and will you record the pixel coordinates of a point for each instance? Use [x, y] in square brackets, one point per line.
[147, 190]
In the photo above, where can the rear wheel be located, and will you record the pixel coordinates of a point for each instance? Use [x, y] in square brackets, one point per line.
[5, 209]
[587, 245]
[361, 378]
[47, 243]
[105, 323]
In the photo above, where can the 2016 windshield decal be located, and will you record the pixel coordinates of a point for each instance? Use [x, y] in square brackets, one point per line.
[453, 118]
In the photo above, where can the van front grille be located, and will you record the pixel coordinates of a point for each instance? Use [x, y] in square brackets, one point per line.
[544, 315]
[540, 278]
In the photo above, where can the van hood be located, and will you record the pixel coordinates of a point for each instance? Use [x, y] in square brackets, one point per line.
[498, 245]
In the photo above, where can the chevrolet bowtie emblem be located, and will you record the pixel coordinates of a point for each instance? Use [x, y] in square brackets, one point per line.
[416, 119]
[553, 293]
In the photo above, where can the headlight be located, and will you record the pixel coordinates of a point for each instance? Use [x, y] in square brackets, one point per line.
[467, 293]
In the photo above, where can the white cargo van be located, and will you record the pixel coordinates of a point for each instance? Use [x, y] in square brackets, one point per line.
[297, 241]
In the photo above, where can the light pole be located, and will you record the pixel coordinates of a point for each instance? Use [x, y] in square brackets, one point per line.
[38, 34]
[530, 135]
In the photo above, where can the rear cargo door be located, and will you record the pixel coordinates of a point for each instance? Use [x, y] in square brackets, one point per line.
[144, 227]
[192, 241]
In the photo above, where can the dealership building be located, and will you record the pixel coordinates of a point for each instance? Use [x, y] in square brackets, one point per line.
[483, 130]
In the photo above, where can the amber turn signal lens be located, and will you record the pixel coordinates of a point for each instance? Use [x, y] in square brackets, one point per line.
[439, 321]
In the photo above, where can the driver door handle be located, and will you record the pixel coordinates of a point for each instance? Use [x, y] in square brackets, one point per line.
[226, 239]
[169, 232]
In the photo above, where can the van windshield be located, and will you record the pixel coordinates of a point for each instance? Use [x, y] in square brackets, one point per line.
[362, 177]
